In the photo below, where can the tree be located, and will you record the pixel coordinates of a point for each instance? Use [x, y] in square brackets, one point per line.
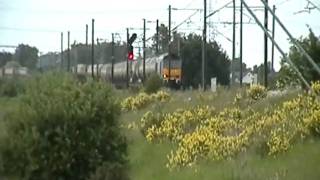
[312, 46]
[163, 39]
[236, 69]
[218, 62]
[4, 58]
[259, 70]
[26, 55]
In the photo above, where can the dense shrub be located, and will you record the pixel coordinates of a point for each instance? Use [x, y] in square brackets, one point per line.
[11, 87]
[110, 171]
[256, 92]
[62, 129]
[153, 84]
[142, 100]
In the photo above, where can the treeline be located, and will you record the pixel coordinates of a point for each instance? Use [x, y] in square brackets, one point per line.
[24, 55]
[82, 54]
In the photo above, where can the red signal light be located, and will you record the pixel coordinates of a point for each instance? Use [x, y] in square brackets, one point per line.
[130, 56]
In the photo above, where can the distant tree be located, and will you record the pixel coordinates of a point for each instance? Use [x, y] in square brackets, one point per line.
[218, 63]
[163, 39]
[236, 69]
[312, 46]
[81, 54]
[259, 70]
[26, 55]
[4, 58]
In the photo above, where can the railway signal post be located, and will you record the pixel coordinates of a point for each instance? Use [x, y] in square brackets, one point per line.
[130, 55]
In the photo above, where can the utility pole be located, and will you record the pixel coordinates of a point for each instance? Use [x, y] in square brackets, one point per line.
[169, 39]
[144, 50]
[127, 58]
[112, 58]
[273, 37]
[92, 50]
[179, 48]
[275, 43]
[241, 41]
[62, 51]
[204, 41]
[86, 34]
[98, 53]
[293, 40]
[233, 39]
[157, 37]
[266, 47]
[68, 66]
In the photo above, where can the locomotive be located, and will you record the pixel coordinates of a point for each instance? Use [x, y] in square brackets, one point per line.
[156, 64]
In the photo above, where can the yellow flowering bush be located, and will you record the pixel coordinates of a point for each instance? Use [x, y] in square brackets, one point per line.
[161, 96]
[143, 99]
[174, 125]
[203, 133]
[237, 99]
[257, 92]
[316, 87]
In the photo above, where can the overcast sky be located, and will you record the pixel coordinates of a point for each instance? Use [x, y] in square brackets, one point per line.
[39, 22]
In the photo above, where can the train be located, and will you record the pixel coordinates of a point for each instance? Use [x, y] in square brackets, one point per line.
[156, 64]
[153, 65]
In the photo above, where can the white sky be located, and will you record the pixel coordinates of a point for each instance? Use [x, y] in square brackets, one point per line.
[39, 22]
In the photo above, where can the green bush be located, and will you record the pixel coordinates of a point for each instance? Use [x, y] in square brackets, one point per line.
[107, 171]
[150, 119]
[62, 129]
[11, 87]
[153, 84]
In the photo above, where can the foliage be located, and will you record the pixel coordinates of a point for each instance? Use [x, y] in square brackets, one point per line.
[62, 129]
[312, 46]
[142, 100]
[153, 84]
[218, 62]
[26, 55]
[259, 70]
[163, 39]
[4, 58]
[49, 61]
[174, 125]
[203, 134]
[256, 92]
[110, 171]
[316, 87]
[11, 87]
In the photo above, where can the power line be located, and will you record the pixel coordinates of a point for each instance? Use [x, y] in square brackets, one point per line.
[189, 4]
[193, 14]
[108, 11]
[222, 34]
[40, 30]
[282, 2]
[224, 6]
[313, 4]
[28, 29]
